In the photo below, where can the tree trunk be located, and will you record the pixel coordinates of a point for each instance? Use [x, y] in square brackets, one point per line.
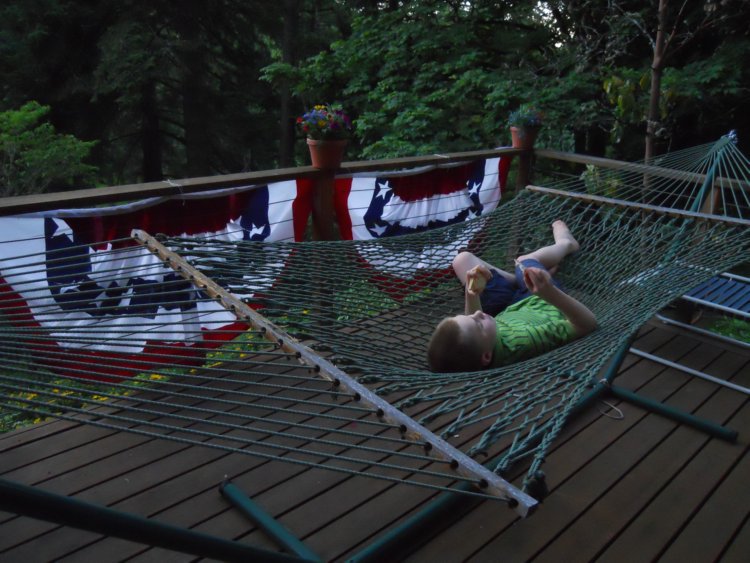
[288, 47]
[195, 109]
[150, 134]
[657, 68]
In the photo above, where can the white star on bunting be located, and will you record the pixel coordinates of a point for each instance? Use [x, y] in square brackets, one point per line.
[256, 230]
[379, 229]
[385, 189]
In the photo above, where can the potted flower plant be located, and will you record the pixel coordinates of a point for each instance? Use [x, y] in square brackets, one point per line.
[525, 123]
[328, 129]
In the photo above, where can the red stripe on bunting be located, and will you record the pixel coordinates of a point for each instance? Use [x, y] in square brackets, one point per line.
[302, 207]
[101, 365]
[189, 216]
[439, 181]
[342, 187]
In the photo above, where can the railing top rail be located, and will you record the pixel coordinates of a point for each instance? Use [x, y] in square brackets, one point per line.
[635, 167]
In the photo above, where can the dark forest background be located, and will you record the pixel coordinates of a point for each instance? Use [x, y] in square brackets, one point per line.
[112, 92]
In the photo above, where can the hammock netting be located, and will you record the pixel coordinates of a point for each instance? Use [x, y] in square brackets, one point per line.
[369, 307]
[336, 297]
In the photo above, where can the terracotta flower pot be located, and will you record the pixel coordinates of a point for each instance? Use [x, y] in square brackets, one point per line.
[523, 138]
[327, 155]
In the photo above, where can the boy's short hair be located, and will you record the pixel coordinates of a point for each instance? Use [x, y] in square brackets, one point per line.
[448, 352]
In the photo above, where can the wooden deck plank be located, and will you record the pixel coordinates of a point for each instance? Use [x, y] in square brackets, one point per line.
[737, 551]
[341, 527]
[85, 482]
[334, 495]
[440, 532]
[720, 517]
[681, 497]
[397, 501]
[298, 486]
[223, 518]
[525, 539]
[41, 431]
[197, 486]
[101, 478]
[269, 469]
[449, 537]
[591, 482]
[590, 442]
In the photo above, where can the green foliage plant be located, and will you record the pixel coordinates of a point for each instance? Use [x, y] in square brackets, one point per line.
[418, 76]
[527, 116]
[601, 182]
[739, 329]
[35, 158]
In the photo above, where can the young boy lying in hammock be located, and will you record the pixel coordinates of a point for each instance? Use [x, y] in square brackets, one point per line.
[509, 318]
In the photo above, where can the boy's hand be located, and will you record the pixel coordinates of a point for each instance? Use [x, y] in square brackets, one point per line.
[476, 280]
[538, 281]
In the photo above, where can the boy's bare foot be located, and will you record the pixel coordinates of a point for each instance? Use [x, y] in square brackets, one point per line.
[562, 233]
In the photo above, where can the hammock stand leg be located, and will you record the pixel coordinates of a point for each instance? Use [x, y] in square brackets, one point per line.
[51, 507]
[605, 386]
[657, 407]
[266, 522]
[702, 424]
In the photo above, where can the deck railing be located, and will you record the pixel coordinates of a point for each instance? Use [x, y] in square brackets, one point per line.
[323, 213]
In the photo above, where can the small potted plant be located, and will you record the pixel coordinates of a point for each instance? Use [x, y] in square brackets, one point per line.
[525, 123]
[328, 129]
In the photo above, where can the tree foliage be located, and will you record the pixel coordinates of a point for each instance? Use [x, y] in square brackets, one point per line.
[213, 86]
[35, 158]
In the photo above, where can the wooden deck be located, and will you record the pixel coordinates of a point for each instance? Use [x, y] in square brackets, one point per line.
[631, 488]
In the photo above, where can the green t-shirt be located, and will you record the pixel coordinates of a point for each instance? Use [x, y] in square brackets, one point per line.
[529, 328]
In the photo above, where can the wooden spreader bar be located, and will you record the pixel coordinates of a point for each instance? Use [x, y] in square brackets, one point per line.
[485, 480]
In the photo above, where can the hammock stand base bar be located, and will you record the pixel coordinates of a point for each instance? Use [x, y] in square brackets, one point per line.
[690, 371]
[703, 332]
[683, 417]
[606, 386]
[278, 533]
[51, 507]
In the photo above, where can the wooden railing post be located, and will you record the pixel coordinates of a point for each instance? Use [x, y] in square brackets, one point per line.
[323, 215]
[523, 178]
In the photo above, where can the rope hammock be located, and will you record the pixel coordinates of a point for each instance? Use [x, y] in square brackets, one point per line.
[375, 324]
[368, 309]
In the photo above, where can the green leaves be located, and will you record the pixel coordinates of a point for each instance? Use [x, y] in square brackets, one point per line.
[34, 157]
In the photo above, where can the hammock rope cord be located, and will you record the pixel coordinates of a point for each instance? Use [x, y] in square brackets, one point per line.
[631, 264]
[369, 307]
